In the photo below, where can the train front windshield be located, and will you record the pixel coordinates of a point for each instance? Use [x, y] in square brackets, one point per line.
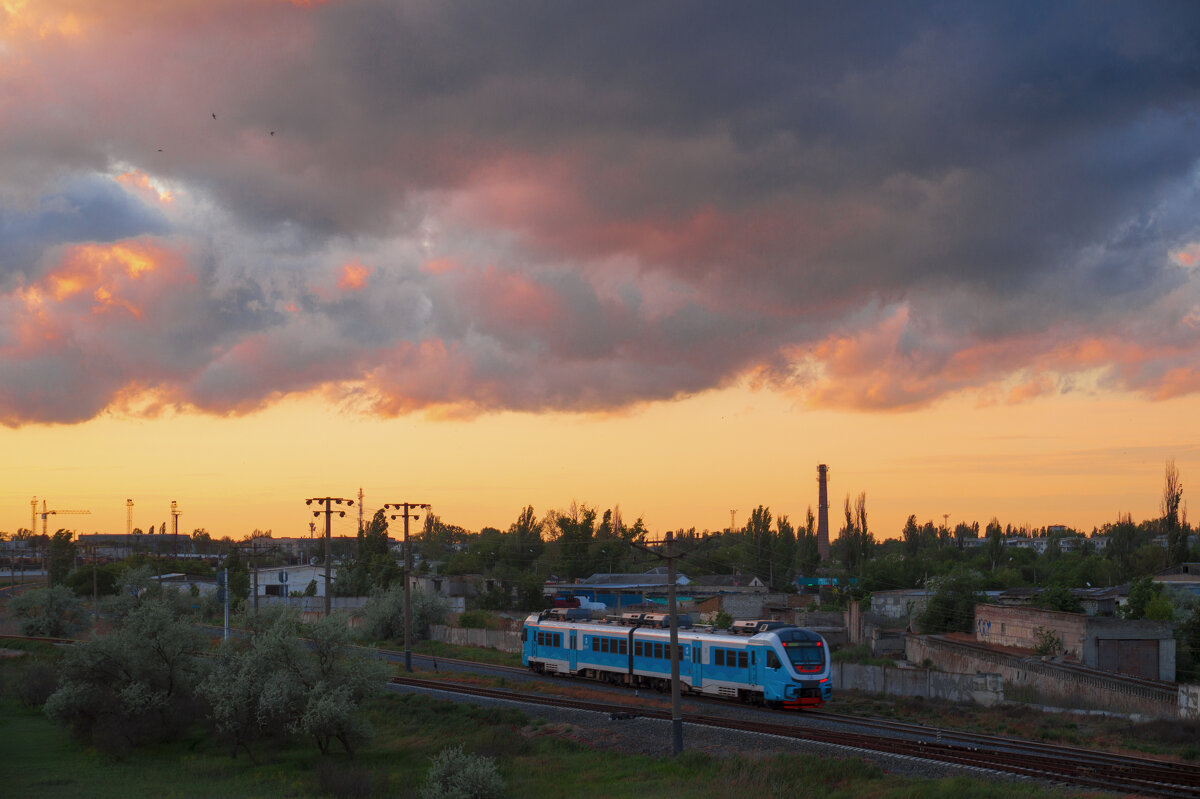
[804, 649]
[805, 655]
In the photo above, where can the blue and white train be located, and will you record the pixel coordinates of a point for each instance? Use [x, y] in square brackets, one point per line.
[774, 664]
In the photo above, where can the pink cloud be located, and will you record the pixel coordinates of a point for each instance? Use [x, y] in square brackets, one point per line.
[353, 276]
[1188, 256]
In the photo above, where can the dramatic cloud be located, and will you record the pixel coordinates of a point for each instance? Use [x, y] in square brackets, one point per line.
[466, 208]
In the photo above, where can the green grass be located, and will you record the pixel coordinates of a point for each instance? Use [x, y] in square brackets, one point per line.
[477, 654]
[535, 758]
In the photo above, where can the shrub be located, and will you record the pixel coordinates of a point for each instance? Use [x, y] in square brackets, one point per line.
[1046, 642]
[384, 617]
[52, 612]
[133, 685]
[454, 774]
[477, 619]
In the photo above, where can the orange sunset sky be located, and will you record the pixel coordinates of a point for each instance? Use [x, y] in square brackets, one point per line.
[652, 255]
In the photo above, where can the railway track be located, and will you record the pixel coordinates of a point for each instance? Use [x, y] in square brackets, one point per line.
[1070, 765]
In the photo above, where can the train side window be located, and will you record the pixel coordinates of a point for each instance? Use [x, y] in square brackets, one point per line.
[623, 645]
[595, 644]
[743, 660]
[772, 660]
[558, 640]
[658, 652]
[637, 648]
[718, 657]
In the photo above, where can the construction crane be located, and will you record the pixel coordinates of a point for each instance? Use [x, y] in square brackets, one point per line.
[46, 513]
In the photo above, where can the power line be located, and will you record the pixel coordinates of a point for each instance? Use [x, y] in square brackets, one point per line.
[328, 502]
[670, 556]
[406, 509]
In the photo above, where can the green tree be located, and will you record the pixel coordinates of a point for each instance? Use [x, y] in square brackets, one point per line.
[1060, 598]
[1177, 535]
[759, 539]
[1142, 592]
[54, 612]
[574, 531]
[275, 685]
[783, 555]
[911, 536]
[523, 544]
[995, 543]
[855, 543]
[373, 565]
[384, 614]
[1123, 540]
[808, 550]
[133, 685]
[239, 576]
[952, 606]
[61, 559]
[106, 579]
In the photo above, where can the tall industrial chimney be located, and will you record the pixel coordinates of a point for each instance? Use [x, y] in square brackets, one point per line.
[823, 511]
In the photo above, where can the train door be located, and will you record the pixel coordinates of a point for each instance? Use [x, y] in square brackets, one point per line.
[696, 670]
[753, 672]
[572, 653]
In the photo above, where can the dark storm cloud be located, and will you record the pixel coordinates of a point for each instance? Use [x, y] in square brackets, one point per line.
[581, 206]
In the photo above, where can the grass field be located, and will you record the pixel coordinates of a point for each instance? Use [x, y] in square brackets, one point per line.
[534, 758]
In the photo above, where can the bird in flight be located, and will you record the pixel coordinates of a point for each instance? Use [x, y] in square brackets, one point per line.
[214, 114]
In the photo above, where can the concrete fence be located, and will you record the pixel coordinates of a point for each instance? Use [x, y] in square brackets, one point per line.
[1058, 683]
[505, 641]
[1189, 702]
[979, 689]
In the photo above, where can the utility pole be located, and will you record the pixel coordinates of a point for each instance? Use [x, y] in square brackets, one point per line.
[254, 573]
[175, 525]
[328, 502]
[405, 509]
[676, 708]
[129, 517]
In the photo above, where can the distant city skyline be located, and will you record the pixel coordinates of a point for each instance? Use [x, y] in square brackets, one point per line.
[659, 255]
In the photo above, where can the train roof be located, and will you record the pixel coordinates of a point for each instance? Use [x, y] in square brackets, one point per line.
[785, 632]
